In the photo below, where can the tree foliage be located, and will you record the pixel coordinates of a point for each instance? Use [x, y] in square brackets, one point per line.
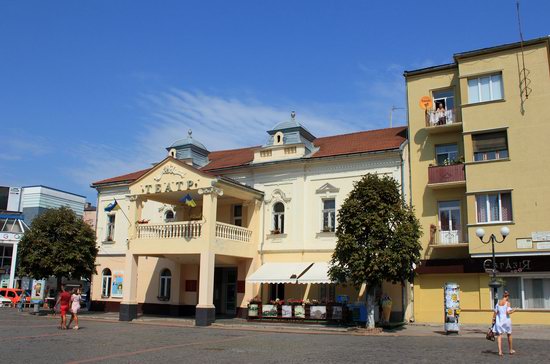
[378, 235]
[60, 244]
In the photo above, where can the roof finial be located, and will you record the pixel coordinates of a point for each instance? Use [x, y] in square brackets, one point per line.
[190, 132]
[293, 115]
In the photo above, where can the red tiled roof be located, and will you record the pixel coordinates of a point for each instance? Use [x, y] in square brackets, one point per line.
[360, 142]
[229, 158]
[124, 178]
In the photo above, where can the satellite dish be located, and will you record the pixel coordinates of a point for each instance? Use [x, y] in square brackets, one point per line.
[426, 102]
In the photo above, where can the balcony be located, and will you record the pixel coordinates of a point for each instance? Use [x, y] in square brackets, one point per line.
[447, 239]
[442, 121]
[192, 238]
[446, 176]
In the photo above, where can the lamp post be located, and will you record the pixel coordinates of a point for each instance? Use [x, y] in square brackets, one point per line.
[494, 284]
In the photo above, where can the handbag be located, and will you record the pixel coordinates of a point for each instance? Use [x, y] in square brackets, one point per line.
[490, 334]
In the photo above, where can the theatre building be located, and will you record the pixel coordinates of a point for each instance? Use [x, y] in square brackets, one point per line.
[202, 232]
[479, 130]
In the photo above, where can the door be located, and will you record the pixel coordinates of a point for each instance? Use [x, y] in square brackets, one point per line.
[449, 222]
[225, 291]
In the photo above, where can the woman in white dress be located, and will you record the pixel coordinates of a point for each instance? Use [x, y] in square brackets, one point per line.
[502, 322]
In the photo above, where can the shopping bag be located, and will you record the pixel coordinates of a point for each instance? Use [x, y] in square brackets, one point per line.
[490, 334]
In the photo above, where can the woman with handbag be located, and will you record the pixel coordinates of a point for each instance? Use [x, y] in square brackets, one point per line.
[503, 323]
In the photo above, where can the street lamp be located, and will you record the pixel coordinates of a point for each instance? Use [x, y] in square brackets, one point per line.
[494, 284]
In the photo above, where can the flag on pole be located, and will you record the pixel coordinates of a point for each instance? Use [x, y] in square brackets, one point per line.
[188, 200]
[112, 206]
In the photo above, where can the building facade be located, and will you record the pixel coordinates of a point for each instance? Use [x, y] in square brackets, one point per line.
[18, 207]
[202, 232]
[478, 150]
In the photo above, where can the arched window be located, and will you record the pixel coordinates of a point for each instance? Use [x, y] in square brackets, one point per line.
[169, 216]
[106, 281]
[278, 218]
[165, 283]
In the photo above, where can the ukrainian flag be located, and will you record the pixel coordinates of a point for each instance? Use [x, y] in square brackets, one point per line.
[112, 206]
[188, 200]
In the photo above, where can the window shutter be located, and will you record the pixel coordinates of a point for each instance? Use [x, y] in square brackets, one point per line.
[489, 142]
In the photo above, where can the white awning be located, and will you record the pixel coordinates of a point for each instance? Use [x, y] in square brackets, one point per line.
[278, 272]
[317, 273]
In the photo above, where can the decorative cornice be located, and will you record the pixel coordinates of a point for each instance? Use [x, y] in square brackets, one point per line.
[278, 195]
[327, 188]
[168, 170]
[211, 190]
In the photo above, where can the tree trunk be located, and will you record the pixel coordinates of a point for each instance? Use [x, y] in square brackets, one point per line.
[370, 306]
[59, 283]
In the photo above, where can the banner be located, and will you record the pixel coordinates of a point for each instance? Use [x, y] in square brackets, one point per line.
[116, 288]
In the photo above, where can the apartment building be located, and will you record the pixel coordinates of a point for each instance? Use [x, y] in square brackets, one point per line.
[479, 151]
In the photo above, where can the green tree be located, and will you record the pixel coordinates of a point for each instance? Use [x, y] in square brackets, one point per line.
[377, 237]
[59, 243]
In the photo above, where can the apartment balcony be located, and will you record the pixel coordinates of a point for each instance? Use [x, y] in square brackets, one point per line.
[446, 176]
[442, 121]
[190, 237]
[447, 239]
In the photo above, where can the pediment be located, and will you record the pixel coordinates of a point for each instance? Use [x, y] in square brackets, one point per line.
[327, 188]
[170, 175]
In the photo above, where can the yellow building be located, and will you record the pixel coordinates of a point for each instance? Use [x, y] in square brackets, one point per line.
[201, 233]
[479, 150]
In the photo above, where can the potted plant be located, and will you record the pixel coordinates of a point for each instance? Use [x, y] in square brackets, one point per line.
[254, 306]
[275, 231]
[143, 221]
[386, 304]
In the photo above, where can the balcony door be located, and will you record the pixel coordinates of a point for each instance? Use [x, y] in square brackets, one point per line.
[449, 222]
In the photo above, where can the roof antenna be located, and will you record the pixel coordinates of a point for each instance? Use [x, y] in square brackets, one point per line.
[393, 108]
[523, 74]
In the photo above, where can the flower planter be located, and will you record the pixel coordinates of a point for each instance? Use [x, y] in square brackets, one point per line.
[254, 309]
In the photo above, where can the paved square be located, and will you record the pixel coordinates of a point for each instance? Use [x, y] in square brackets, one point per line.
[26, 338]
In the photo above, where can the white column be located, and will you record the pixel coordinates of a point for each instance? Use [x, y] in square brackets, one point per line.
[129, 291]
[13, 264]
[206, 280]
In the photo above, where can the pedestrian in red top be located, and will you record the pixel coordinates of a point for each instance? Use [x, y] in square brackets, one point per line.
[64, 301]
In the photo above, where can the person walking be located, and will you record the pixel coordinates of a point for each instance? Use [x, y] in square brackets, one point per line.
[63, 301]
[75, 306]
[22, 301]
[502, 323]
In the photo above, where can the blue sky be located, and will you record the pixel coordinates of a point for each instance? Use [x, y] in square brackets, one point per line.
[90, 90]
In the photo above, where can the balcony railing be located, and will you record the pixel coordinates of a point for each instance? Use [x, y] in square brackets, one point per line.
[190, 230]
[232, 232]
[184, 229]
[441, 238]
[439, 118]
[446, 174]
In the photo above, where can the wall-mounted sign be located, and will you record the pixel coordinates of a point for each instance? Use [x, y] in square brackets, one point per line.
[509, 265]
[540, 235]
[543, 245]
[168, 187]
[524, 243]
[10, 236]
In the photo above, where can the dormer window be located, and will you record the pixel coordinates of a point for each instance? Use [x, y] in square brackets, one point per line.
[278, 138]
[169, 216]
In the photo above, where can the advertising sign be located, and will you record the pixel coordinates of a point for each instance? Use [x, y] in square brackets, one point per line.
[117, 285]
[451, 306]
[299, 312]
[37, 291]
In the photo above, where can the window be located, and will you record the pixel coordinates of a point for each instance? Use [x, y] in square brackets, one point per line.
[165, 284]
[489, 146]
[106, 280]
[277, 290]
[327, 292]
[527, 292]
[290, 150]
[110, 227]
[444, 97]
[329, 215]
[238, 215]
[486, 88]
[450, 228]
[494, 207]
[446, 154]
[169, 216]
[536, 292]
[278, 218]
